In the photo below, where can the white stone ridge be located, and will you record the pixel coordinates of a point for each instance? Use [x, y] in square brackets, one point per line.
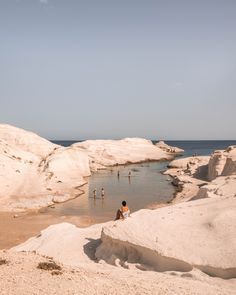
[203, 176]
[26, 140]
[194, 162]
[222, 186]
[188, 175]
[222, 163]
[66, 243]
[105, 153]
[198, 234]
[38, 173]
[167, 148]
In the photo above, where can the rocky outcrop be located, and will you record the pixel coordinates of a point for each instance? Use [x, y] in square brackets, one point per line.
[222, 186]
[32, 182]
[167, 148]
[202, 177]
[105, 153]
[188, 175]
[66, 243]
[197, 234]
[26, 140]
[222, 163]
[190, 163]
[38, 173]
[216, 164]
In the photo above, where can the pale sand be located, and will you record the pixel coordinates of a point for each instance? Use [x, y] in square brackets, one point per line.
[24, 278]
[14, 231]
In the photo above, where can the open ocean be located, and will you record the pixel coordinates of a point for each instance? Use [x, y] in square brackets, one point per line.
[201, 147]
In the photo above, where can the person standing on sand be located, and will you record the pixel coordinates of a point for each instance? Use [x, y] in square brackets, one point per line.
[123, 212]
[102, 193]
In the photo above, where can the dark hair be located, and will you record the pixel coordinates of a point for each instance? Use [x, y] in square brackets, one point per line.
[124, 203]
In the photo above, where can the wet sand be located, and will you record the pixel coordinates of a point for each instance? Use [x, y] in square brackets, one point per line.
[14, 231]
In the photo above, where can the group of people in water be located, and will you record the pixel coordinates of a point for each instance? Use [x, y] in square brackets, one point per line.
[121, 213]
[102, 193]
[124, 211]
[118, 174]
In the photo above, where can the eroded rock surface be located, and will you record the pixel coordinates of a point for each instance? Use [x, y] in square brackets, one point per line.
[167, 148]
[105, 153]
[36, 173]
[222, 163]
[198, 234]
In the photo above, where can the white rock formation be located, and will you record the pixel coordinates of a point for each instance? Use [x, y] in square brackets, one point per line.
[31, 182]
[188, 175]
[26, 140]
[167, 148]
[222, 186]
[222, 163]
[192, 162]
[222, 174]
[37, 173]
[66, 243]
[105, 153]
[198, 234]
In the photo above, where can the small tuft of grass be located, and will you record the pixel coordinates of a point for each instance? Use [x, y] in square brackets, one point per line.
[48, 266]
[56, 273]
[3, 261]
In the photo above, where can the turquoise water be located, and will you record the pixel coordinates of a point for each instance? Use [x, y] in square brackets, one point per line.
[145, 186]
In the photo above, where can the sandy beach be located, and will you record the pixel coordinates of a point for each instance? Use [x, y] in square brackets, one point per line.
[16, 230]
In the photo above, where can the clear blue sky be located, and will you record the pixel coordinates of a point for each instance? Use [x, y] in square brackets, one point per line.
[72, 69]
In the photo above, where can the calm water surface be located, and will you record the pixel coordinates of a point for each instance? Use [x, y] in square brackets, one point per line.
[145, 186]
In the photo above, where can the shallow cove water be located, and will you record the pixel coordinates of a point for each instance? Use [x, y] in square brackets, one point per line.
[145, 186]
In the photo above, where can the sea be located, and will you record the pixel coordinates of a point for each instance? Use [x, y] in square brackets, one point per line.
[146, 188]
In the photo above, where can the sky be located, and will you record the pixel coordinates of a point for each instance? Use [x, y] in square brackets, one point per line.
[89, 69]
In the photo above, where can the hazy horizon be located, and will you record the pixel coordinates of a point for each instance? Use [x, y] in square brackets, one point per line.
[154, 139]
[113, 69]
